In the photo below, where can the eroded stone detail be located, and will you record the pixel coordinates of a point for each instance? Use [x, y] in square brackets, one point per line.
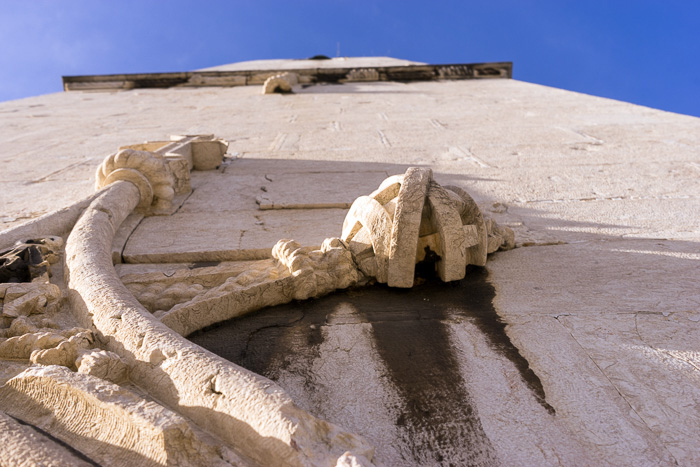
[23, 445]
[243, 409]
[128, 429]
[362, 74]
[318, 272]
[29, 260]
[410, 218]
[103, 364]
[29, 298]
[282, 83]
[295, 273]
[147, 170]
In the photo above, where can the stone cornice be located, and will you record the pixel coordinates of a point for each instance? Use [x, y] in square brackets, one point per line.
[305, 76]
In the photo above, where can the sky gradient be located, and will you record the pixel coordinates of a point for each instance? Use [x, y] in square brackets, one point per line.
[644, 52]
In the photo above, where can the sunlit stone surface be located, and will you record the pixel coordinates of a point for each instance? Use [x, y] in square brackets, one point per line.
[578, 347]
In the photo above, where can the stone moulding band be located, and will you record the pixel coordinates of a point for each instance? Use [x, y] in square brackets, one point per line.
[246, 410]
[305, 76]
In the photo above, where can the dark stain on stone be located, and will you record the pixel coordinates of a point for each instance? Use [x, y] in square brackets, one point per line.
[438, 419]
[58, 441]
[410, 327]
[22, 263]
[254, 341]
[475, 300]
[204, 264]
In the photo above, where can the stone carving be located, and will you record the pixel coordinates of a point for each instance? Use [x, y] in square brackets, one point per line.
[129, 429]
[130, 331]
[243, 409]
[454, 71]
[24, 445]
[102, 364]
[318, 272]
[408, 218]
[27, 299]
[161, 169]
[362, 74]
[147, 170]
[26, 307]
[282, 83]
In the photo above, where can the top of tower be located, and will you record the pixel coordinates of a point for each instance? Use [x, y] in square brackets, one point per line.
[318, 61]
[319, 69]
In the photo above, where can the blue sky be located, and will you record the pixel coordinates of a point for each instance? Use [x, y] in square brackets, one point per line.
[645, 52]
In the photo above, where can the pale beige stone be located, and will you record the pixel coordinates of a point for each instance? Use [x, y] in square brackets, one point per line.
[66, 353]
[246, 410]
[299, 273]
[227, 235]
[453, 241]
[124, 232]
[24, 446]
[21, 347]
[104, 365]
[602, 196]
[29, 298]
[207, 155]
[450, 225]
[407, 221]
[58, 222]
[471, 215]
[146, 170]
[130, 429]
[362, 74]
[323, 189]
[369, 214]
[45, 346]
[281, 83]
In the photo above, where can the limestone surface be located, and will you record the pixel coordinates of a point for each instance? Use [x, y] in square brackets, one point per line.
[577, 347]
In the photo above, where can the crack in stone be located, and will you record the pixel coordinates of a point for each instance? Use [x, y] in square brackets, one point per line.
[605, 375]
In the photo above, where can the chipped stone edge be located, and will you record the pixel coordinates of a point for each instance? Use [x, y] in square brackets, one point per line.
[248, 411]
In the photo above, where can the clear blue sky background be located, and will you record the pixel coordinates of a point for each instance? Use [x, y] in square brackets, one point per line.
[641, 51]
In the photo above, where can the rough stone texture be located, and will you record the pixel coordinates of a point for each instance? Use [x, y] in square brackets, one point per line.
[282, 83]
[130, 431]
[147, 170]
[232, 236]
[406, 227]
[324, 190]
[601, 298]
[247, 411]
[25, 446]
[296, 274]
[411, 219]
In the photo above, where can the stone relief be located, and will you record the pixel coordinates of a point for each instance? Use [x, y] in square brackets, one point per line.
[282, 83]
[83, 337]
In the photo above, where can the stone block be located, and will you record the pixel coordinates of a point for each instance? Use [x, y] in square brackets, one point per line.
[207, 155]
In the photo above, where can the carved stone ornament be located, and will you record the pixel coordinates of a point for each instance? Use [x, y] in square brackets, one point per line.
[88, 345]
[282, 83]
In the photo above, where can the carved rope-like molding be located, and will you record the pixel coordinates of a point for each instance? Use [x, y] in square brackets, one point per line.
[245, 409]
[409, 219]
